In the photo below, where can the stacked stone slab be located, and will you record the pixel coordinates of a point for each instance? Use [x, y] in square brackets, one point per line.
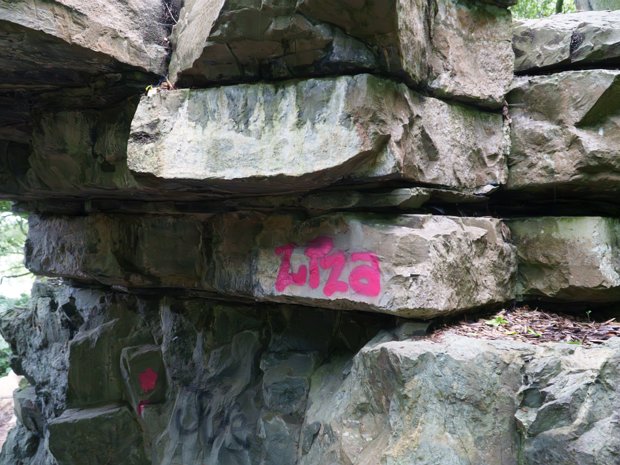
[232, 242]
[565, 112]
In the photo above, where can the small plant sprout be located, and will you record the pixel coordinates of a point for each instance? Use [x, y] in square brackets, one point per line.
[532, 332]
[497, 321]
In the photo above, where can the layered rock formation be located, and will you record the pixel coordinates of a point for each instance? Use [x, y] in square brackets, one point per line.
[193, 380]
[245, 247]
[455, 49]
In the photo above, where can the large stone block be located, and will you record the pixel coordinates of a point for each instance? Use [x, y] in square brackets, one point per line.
[596, 5]
[131, 32]
[410, 265]
[568, 412]
[568, 41]
[312, 133]
[74, 54]
[406, 402]
[95, 376]
[454, 401]
[80, 152]
[102, 436]
[458, 49]
[570, 259]
[566, 133]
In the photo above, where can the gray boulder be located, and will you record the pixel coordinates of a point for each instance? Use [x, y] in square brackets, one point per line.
[108, 434]
[568, 258]
[130, 32]
[567, 41]
[74, 54]
[466, 401]
[565, 133]
[312, 133]
[420, 402]
[568, 412]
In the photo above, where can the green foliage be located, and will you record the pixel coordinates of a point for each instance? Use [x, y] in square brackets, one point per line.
[532, 332]
[7, 303]
[527, 9]
[5, 360]
[13, 232]
[497, 321]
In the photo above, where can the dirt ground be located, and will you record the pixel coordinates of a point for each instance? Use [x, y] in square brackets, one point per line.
[534, 325]
[7, 418]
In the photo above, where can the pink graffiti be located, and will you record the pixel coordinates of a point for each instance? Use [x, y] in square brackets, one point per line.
[148, 380]
[364, 279]
[285, 276]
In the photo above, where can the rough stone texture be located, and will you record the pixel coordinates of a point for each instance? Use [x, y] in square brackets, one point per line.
[195, 333]
[229, 373]
[426, 403]
[251, 139]
[98, 347]
[419, 402]
[75, 54]
[23, 447]
[27, 409]
[409, 265]
[458, 49]
[291, 385]
[117, 440]
[312, 133]
[568, 41]
[590, 5]
[80, 152]
[568, 409]
[564, 138]
[129, 31]
[571, 259]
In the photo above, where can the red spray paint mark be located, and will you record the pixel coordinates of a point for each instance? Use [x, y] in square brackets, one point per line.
[364, 278]
[141, 405]
[148, 380]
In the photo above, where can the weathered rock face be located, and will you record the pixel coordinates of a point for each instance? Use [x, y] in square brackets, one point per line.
[68, 53]
[562, 138]
[572, 259]
[192, 144]
[121, 438]
[313, 133]
[418, 402]
[286, 384]
[590, 5]
[80, 153]
[558, 395]
[238, 259]
[218, 380]
[410, 265]
[130, 32]
[567, 41]
[456, 49]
